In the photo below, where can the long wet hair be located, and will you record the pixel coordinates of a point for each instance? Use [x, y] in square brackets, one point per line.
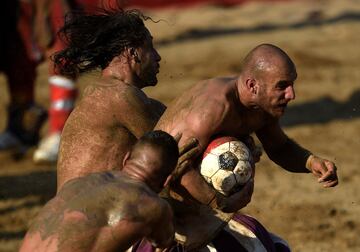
[93, 40]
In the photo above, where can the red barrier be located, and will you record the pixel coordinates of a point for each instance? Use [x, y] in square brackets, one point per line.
[187, 3]
[179, 3]
[165, 3]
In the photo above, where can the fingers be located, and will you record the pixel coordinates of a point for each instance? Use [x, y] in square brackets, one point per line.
[248, 188]
[249, 142]
[245, 191]
[257, 152]
[187, 152]
[331, 183]
[329, 178]
[317, 166]
[188, 155]
[250, 185]
[180, 170]
[241, 198]
[188, 145]
[177, 137]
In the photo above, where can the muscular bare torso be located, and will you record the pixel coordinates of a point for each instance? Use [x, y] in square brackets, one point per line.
[102, 128]
[209, 108]
[100, 212]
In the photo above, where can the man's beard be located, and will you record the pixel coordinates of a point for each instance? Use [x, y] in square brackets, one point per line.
[149, 78]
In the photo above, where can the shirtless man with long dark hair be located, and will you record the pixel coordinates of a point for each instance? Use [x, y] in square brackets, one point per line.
[114, 112]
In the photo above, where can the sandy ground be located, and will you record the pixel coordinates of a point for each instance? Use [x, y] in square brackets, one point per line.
[323, 39]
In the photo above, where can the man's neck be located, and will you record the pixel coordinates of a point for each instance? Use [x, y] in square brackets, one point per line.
[241, 99]
[123, 73]
[134, 171]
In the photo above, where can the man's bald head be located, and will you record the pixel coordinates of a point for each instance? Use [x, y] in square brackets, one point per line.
[266, 58]
[267, 80]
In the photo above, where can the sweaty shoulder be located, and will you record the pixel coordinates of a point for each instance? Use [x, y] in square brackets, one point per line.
[119, 93]
[127, 105]
[108, 193]
[131, 200]
[155, 209]
[199, 111]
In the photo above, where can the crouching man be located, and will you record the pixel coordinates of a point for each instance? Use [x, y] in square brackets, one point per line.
[110, 211]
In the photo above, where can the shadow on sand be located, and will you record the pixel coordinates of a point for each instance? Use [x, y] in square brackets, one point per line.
[41, 184]
[322, 111]
[36, 183]
[12, 235]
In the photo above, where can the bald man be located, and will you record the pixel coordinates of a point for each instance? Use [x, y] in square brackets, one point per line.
[252, 102]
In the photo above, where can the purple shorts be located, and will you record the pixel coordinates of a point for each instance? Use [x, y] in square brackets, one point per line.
[242, 234]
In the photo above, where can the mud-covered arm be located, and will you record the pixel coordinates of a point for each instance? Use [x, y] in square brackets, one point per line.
[162, 226]
[200, 126]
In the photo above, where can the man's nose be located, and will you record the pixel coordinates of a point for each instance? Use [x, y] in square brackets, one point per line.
[290, 93]
[157, 56]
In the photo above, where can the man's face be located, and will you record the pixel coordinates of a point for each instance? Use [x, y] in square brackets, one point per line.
[276, 90]
[148, 62]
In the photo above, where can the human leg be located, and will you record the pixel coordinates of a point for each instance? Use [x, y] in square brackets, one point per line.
[63, 92]
[19, 63]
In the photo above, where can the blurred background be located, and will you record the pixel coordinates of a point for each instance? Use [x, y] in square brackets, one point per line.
[200, 39]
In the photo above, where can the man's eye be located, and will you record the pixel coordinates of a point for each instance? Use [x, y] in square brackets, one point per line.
[282, 85]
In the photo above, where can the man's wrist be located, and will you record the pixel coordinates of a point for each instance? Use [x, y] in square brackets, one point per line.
[309, 161]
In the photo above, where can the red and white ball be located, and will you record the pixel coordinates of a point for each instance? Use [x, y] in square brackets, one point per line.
[226, 164]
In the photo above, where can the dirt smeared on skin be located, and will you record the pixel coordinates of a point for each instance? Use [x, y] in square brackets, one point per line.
[86, 205]
[103, 127]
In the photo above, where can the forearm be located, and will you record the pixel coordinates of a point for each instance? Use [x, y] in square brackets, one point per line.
[290, 156]
[197, 187]
[163, 232]
[202, 192]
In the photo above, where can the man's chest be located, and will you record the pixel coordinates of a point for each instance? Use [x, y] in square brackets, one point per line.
[240, 125]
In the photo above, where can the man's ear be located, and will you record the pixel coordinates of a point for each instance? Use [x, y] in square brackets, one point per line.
[124, 56]
[252, 85]
[126, 157]
[133, 53]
